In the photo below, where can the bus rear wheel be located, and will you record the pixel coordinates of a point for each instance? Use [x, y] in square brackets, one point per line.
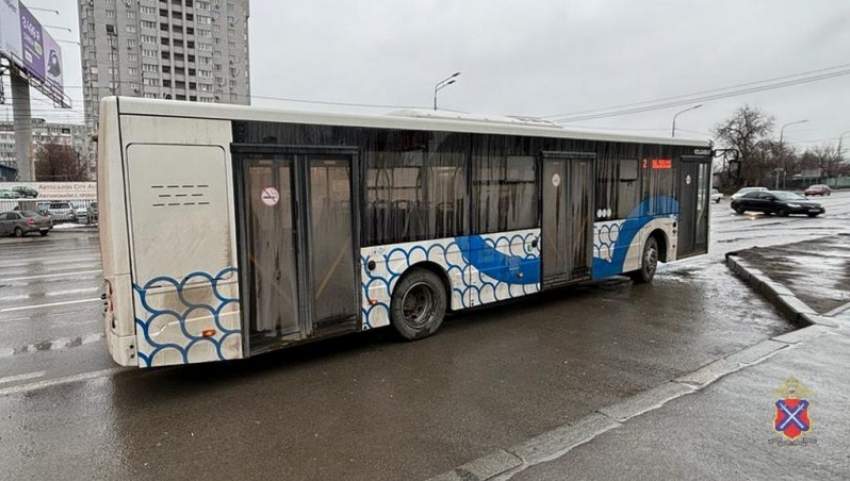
[649, 263]
[418, 304]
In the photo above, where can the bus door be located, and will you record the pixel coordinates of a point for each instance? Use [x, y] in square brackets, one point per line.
[567, 230]
[298, 244]
[694, 185]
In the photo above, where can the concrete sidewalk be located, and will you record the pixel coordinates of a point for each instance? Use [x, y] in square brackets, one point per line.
[718, 422]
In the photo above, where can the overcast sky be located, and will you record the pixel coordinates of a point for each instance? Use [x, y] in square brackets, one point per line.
[541, 58]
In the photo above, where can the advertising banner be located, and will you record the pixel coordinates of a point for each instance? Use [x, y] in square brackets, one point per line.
[31, 44]
[24, 41]
[52, 64]
[10, 30]
[48, 191]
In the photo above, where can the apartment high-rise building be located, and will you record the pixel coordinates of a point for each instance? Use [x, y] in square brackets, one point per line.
[193, 50]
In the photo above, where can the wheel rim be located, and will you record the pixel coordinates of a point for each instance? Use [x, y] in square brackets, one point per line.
[650, 259]
[417, 304]
[18, 232]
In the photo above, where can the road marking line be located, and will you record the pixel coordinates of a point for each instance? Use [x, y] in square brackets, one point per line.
[35, 386]
[22, 377]
[53, 304]
[46, 276]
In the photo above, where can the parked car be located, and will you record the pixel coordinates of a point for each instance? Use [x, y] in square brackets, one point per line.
[9, 194]
[82, 214]
[746, 190]
[92, 212]
[716, 196]
[776, 202]
[818, 189]
[20, 224]
[25, 192]
[59, 211]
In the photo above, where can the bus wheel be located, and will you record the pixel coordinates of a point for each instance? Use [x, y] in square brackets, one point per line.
[418, 304]
[649, 263]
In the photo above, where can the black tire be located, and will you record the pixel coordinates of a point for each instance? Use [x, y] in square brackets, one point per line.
[783, 212]
[44, 232]
[717, 201]
[813, 214]
[418, 304]
[649, 263]
[19, 232]
[739, 210]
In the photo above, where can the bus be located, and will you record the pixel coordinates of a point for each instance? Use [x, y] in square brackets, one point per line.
[229, 231]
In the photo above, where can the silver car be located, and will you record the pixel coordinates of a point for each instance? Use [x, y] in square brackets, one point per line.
[20, 224]
[59, 211]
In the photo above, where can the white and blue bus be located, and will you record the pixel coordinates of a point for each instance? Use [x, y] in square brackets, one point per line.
[228, 231]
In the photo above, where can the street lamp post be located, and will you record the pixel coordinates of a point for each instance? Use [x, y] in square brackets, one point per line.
[782, 147]
[442, 84]
[840, 149]
[673, 132]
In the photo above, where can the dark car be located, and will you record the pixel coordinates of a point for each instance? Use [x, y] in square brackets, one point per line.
[91, 212]
[20, 224]
[777, 202]
[818, 189]
[25, 192]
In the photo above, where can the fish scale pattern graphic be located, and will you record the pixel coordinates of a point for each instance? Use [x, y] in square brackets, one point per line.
[605, 235]
[150, 347]
[481, 269]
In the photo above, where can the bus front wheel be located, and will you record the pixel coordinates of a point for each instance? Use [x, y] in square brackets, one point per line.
[418, 304]
[649, 263]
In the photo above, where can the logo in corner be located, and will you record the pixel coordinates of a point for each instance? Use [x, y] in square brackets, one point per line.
[792, 409]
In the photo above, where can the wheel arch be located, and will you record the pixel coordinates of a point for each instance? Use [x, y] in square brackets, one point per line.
[663, 243]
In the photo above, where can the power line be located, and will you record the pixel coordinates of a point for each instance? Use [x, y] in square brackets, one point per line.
[708, 98]
[676, 97]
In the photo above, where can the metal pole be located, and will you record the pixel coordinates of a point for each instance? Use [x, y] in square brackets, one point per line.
[23, 126]
[782, 148]
[673, 132]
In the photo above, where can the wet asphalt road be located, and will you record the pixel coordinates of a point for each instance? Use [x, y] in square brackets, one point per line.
[363, 406]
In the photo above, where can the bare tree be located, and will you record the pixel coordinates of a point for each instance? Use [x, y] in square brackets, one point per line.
[749, 130]
[60, 163]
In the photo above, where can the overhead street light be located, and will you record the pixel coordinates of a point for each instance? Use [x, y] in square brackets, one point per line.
[673, 132]
[782, 147]
[442, 84]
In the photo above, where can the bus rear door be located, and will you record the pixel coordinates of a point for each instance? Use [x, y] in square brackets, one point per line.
[297, 243]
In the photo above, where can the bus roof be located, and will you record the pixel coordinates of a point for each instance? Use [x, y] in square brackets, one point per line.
[403, 119]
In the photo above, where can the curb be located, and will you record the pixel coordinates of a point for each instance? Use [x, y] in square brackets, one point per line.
[795, 310]
[502, 464]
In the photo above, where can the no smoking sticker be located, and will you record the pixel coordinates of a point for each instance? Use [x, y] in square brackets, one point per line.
[270, 196]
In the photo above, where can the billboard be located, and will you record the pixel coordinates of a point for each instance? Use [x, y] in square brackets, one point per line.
[29, 47]
[48, 191]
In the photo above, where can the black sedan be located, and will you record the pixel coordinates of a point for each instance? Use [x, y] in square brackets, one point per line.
[777, 202]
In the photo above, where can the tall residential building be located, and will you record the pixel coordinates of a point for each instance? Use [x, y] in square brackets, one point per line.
[195, 50]
[43, 132]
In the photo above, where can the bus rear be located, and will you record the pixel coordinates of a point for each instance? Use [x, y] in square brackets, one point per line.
[167, 239]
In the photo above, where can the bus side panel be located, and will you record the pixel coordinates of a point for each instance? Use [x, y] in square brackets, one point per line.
[481, 269]
[115, 256]
[184, 259]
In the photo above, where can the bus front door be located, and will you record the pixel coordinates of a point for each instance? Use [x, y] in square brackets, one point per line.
[567, 230]
[694, 185]
[298, 279]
